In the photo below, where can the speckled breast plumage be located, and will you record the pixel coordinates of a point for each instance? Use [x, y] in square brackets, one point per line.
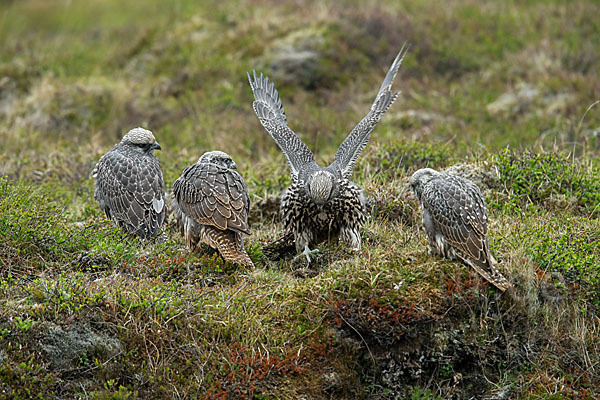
[310, 224]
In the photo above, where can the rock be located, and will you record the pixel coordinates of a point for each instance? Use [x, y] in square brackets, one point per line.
[514, 102]
[558, 102]
[294, 59]
[76, 345]
[422, 117]
[483, 176]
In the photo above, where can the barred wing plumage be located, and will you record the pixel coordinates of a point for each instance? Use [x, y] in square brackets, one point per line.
[130, 189]
[349, 150]
[214, 195]
[269, 110]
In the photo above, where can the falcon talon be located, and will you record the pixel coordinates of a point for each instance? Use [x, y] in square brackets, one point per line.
[308, 252]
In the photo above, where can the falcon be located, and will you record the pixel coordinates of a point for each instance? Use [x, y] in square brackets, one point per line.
[211, 203]
[322, 202]
[129, 185]
[455, 221]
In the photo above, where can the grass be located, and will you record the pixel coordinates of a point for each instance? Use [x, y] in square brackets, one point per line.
[505, 89]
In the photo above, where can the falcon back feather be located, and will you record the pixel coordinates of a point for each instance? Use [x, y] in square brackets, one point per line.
[129, 185]
[211, 204]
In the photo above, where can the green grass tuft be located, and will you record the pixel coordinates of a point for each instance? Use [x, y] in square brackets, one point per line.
[549, 178]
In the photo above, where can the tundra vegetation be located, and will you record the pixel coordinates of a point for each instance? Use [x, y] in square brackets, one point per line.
[503, 91]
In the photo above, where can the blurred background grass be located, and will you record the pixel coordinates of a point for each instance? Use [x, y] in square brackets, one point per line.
[75, 76]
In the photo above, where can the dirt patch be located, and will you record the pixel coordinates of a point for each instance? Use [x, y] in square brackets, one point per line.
[266, 210]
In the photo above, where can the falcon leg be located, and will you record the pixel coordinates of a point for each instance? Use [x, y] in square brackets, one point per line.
[308, 252]
[303, 239]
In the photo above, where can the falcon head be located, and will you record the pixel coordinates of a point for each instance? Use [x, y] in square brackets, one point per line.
[140, 139]
[321, 187]
[420, 178]
[219, 158]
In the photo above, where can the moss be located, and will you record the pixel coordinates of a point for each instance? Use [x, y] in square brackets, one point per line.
[36, 233]
[573, 251]
[547, 178]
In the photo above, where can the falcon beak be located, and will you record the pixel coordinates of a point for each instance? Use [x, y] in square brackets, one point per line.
[233, 165]
[154, 146]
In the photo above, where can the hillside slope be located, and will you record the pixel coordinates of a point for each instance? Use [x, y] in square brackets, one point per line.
[506, 91]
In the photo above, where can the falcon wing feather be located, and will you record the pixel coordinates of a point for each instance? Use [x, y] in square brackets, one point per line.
[269, 110]
[349, 150]
[131, 192]
[213, 195]
[458, 215]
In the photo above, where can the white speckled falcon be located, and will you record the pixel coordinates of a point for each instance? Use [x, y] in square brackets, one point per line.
[322, 202]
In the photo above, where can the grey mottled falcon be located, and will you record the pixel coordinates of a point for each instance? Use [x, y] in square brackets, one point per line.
[129, 185]
[455, 221]
[322, 201]
[211, 205]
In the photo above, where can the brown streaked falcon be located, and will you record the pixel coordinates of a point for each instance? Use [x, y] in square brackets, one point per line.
[322, 202]
[211, 204]
[129, 185]
[455, 221]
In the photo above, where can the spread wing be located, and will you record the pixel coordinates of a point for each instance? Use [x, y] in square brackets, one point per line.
[130, 189]
[459, 214]
[348, 152]
[213, 195]
[268, 109]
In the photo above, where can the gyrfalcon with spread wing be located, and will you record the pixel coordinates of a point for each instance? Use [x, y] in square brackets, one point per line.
[211, 204]
[455, 221]
[129, 185]
[322, 202]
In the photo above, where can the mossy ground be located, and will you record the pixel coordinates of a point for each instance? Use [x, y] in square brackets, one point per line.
[388, 322]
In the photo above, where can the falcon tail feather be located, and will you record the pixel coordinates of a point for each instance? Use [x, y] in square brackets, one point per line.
[490, 274]
[230, 245]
